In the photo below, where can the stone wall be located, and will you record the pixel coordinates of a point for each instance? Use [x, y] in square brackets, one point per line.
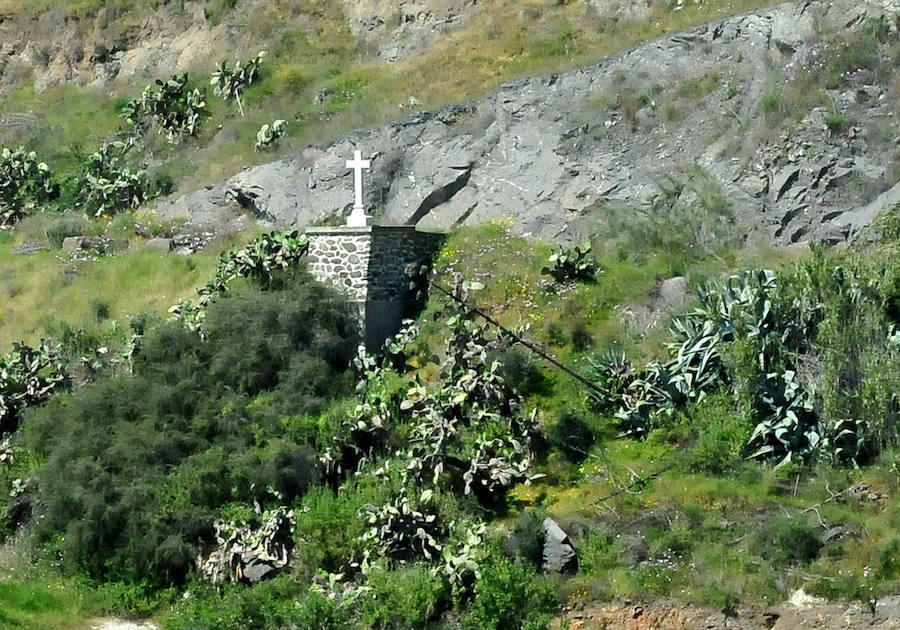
[368, 264]
[340, 257]
[392, 250]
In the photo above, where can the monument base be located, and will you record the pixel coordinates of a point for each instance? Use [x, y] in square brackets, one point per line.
[368, 265]
[358, 220]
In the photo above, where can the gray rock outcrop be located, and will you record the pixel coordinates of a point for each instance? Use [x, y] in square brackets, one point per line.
[559, 552]
[552, 153]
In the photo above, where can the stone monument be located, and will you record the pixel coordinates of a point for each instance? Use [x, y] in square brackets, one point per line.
[368, 263]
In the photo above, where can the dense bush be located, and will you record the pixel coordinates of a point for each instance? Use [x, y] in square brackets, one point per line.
[720, 434]
[407, 598]
[66, 226]
[787, 541]
[691, 218]
[261, 261]
[572, 435]
[137, 467]
[510, 596]
[279, 603]
[526, 540]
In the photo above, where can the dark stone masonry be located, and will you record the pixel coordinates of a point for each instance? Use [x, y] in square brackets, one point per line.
[368, 264]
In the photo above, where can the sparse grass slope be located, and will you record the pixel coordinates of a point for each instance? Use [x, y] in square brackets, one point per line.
[313, 52]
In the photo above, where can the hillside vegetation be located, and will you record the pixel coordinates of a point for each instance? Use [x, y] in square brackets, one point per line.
[312, 52]
[664, 411]
[718, 490]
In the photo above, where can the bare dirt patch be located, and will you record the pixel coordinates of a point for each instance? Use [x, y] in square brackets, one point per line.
[670, 615]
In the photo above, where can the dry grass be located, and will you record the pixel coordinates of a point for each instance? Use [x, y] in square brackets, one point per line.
[312, 49]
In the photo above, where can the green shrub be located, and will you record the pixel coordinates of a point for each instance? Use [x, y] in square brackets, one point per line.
[64, 227]
[510, 596]
[406, 598]
[683, 232]
[518, 368]
[271, 605]
[836, 123]
[293, 78]
[329, 529]
[770, 103]
[100, 309]
[886, 564]
[526, 540]
[721, 433]
[675, 540]
[844, 586]
[136, 468]
[318, 612]
[597, 554]
[786, 541]
[572, 435]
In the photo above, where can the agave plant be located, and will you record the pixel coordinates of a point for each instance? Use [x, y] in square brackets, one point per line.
[848, 440]
[572, 264]
[790, 428]
[611, 374]
[741, 307]
[229, 83]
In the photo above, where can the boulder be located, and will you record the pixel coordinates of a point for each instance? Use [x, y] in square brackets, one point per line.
[559, 552]
[784, 180]
[110, 245]
[160, 244]
[73, 243]
[257, 569]
[30, 247]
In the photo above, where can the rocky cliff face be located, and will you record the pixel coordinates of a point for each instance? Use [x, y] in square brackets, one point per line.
[59, 45]
[553, 152]
[398, 28]
[54, 47]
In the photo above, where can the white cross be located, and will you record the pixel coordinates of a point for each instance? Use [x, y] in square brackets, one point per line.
[358, 217]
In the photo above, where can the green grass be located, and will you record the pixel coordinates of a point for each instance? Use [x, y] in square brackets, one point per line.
[46, 291]
[67, 122]
[40, 604]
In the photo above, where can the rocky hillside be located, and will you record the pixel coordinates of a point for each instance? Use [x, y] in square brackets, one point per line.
[789, 115]
[780, 124]
[102, 43]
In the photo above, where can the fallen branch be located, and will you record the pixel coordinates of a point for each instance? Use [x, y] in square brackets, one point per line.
[834, 497]
[528, 344]
[637, 482]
